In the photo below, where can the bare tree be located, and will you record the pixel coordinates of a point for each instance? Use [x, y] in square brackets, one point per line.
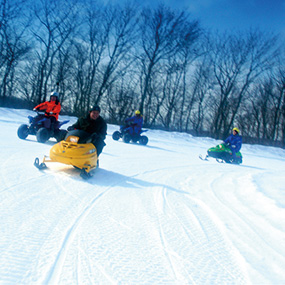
[54, 24]
[13, 44]
[263, 117]
[281, 89]
[121, 39]
[102, 53]
[174, 100]
[170, 97]
[279, 107]
[201, 88]
[121, 100]
[87, 54]
[162, 31]
[237, 61]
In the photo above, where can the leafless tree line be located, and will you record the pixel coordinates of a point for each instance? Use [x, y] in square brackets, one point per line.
[156, 60]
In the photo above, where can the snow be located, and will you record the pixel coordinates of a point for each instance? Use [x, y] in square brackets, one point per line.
[152, 214]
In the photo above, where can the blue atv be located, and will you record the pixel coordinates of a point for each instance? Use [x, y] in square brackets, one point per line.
[127, 134]
[42, 127]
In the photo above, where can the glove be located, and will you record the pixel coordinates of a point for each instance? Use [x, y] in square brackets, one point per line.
[94, 136]
[70, 128]
[35, 109]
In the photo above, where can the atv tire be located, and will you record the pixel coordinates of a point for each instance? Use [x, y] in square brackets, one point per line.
[43, 135]
[127, 138]
[23, 131]
[116, 135]
[143, 140]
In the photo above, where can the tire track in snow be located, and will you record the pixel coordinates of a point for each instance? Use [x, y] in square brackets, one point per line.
[7, 164]
[54, 272]
[166, 247]
[239, 214]
[206, 236]
[253, 230]
[22, 184]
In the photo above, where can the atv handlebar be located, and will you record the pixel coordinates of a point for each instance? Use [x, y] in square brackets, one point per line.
[129, 123]
[39, 112]
[43, 112]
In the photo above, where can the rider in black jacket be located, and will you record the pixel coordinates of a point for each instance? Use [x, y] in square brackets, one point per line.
[94, 124]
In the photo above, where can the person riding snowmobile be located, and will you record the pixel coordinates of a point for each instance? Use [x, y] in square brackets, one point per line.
[234, 141]
[51, 108]
[95, 125]
[135, 123]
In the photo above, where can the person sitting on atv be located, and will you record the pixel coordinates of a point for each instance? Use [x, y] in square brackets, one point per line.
[94, 124]
[135, 123]
[234, 141]
[51, 108]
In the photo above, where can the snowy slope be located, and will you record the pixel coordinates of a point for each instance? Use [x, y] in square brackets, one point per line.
[152, 214]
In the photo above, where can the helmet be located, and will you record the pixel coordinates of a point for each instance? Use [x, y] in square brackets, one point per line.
[54, 93]
[137, 112]
[95, 108]
[236, 129]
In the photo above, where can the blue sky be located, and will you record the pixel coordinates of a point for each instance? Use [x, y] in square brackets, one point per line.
[268, 15]
[240, 14]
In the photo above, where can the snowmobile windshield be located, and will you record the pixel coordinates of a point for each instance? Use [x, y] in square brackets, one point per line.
[83, 136]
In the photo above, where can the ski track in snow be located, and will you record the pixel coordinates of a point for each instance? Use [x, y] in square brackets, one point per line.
[149, 215]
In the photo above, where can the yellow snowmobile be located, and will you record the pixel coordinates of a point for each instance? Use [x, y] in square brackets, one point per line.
[76, 150]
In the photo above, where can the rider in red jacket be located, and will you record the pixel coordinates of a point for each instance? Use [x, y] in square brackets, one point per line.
[51, 107]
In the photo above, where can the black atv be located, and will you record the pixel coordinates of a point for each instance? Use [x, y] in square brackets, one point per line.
[41, 127]
[127, 136]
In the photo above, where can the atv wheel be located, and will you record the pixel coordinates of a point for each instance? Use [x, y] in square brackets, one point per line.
[143, 140]
[43, 135]
[23, 131]
[126, 138]
[116, 135]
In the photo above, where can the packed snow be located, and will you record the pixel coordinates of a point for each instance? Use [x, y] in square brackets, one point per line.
[153, 214]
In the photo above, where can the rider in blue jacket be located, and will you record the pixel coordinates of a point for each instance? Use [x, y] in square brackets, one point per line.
[135, 123]
[234, 141]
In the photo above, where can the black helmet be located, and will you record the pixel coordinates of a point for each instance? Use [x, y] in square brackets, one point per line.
[95, 108]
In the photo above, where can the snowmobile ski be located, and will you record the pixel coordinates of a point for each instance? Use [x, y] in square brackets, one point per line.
[39, 165]
[85, 175]
[204, 158]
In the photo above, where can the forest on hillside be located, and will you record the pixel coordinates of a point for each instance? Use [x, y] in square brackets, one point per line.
[158, 60]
